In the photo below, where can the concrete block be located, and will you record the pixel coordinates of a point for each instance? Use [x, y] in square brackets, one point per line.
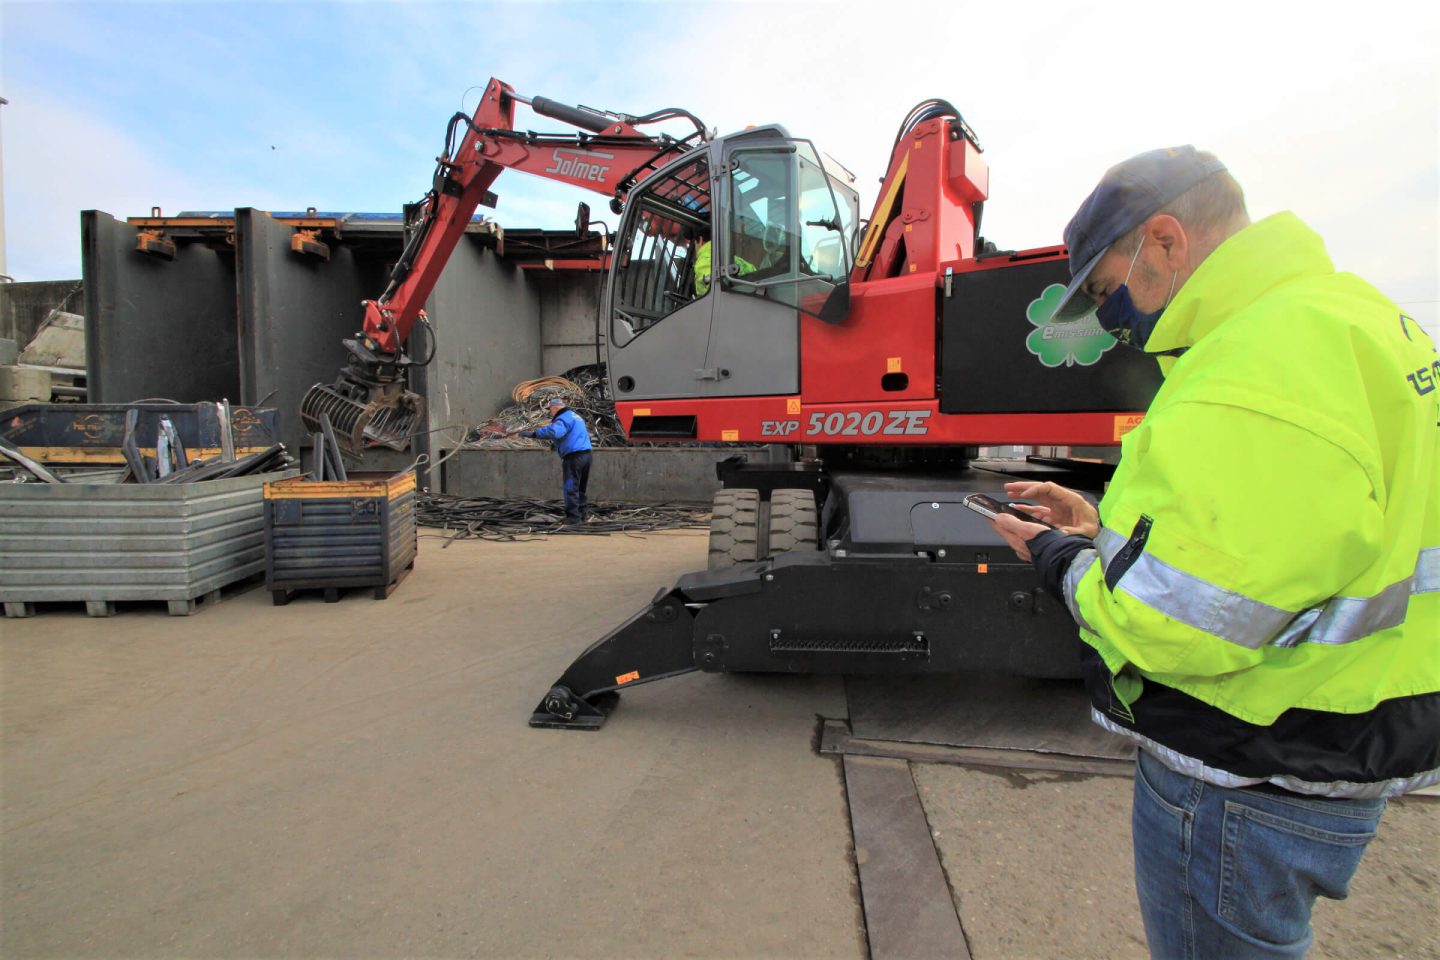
[634, 474]
[60, 342]
[22, 383]
[9, 351]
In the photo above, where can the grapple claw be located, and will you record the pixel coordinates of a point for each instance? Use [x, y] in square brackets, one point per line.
[389, 419]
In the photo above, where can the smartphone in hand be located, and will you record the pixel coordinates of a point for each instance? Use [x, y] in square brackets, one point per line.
[988, 506]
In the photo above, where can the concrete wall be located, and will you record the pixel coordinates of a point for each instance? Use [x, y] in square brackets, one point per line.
[487, 318]
[155, 327]
[293, 312]
[567, 317]
[641, 474]
[23, 306]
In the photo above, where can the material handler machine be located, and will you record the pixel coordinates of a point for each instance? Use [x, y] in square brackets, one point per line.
[877, 355]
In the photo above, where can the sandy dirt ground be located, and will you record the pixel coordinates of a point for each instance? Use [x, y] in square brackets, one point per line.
[358, 779]
[1029, 883]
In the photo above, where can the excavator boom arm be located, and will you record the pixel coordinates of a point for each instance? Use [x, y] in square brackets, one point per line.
[368, 403]
[610, 159]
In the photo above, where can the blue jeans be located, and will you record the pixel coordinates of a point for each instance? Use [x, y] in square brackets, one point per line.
[1234, 873]
[576, 469]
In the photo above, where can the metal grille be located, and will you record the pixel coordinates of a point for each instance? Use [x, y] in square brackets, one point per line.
[783, 644]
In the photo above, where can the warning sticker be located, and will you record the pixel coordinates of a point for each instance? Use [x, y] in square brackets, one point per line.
[792, 405]
[1124, 425]
[893, 365]
[625, 678]
[729, 436]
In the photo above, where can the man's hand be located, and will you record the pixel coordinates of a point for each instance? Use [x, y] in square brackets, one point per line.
[1064, 508]
[1017, 532]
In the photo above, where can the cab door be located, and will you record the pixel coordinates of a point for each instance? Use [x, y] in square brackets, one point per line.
[785, 252]
[659, 316]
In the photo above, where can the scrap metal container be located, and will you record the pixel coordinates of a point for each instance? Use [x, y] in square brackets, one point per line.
[332, 534]
[105, 543]
[90, 434]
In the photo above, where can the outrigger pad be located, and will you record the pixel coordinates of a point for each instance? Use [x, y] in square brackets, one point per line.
[562, 710]
[655, 643]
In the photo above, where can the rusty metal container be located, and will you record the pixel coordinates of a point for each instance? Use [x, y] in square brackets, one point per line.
[334, 534]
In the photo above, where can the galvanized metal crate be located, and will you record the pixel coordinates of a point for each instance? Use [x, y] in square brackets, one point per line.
[333, 534]
[106, 543]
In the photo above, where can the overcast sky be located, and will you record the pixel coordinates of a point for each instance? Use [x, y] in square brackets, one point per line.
[1330, 110]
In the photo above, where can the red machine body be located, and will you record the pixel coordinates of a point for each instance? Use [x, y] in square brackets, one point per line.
[921, 236]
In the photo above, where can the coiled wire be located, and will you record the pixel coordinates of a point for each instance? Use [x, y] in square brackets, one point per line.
[517, 520]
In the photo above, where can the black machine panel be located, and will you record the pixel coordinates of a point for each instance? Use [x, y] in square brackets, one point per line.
[1000, 353]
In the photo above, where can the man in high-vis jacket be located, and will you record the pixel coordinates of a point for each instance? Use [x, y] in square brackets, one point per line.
[702, 267]
[1258, 594]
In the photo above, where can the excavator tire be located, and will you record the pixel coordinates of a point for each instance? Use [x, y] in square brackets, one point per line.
[734, 528]
[793, 523]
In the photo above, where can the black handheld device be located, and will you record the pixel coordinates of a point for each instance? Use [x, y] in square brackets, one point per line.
[988, 506]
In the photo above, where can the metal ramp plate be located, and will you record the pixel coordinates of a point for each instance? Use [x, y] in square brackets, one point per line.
[981, 711]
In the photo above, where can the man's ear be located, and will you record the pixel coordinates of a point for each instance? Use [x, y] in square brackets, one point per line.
[1165, 232]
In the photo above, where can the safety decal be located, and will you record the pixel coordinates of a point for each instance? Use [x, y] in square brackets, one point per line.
[1080, 343]
[625, 678]
[1127, 422]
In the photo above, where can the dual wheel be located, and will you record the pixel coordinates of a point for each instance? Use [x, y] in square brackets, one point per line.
[744, 528]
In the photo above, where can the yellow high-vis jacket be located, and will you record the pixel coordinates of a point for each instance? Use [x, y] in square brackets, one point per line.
[1263, 602]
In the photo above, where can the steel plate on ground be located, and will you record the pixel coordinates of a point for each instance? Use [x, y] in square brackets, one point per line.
[981, 710]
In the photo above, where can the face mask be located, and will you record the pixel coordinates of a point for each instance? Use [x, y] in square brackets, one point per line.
[1120, 318]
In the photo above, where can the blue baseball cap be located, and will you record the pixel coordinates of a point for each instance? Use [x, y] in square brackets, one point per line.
[1129, 194]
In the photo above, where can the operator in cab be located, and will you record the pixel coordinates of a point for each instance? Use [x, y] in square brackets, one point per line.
[570, 438]
[1258, 594]
[703, 256]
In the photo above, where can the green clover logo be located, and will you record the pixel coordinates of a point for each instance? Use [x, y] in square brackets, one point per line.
[1081, 342]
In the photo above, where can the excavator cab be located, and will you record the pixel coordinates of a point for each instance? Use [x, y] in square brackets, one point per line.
[718, 253]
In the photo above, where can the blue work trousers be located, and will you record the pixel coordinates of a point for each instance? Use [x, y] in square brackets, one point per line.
[576, 467]
[1233, 874]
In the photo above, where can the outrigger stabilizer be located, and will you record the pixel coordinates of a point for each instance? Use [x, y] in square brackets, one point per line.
[934, 611]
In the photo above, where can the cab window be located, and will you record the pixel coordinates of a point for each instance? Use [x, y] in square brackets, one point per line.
[667, 223]
[791, 225]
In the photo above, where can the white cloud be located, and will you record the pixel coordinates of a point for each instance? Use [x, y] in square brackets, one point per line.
[1328, 110]
[59, 161]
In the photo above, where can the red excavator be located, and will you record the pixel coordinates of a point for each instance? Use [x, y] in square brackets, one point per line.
[747, 302]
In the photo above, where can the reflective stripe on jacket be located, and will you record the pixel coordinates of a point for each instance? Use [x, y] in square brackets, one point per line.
[1264, 598]
[567, 431]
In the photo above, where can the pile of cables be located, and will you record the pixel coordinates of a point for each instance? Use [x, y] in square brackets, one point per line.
[509, 521]
[584, 389]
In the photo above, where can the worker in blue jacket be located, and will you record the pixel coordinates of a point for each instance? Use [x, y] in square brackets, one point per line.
[570, 437]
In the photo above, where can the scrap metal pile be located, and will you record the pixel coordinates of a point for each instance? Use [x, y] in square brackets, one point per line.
[492, 518]
[584, 389]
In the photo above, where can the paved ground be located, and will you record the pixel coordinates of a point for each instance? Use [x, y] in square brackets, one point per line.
[358, 780]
